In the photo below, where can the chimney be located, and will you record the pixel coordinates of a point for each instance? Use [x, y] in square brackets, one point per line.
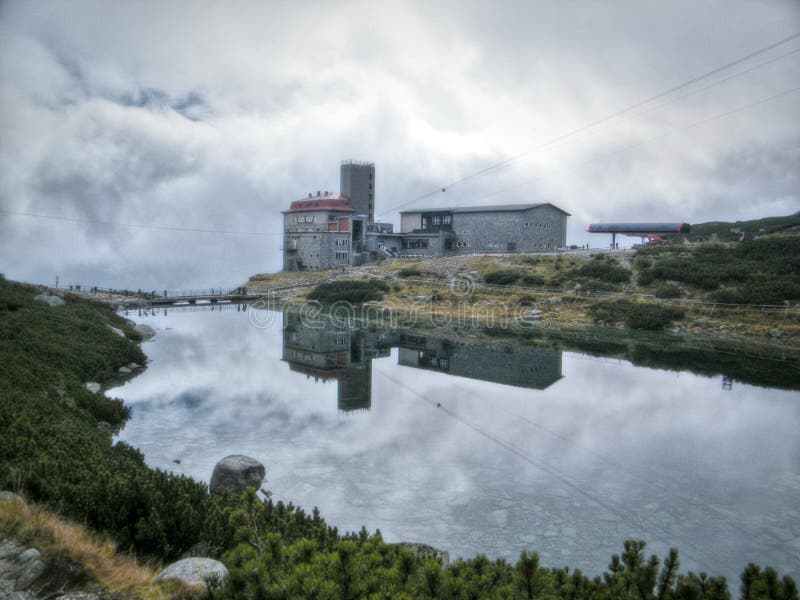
[317, 193]
[310, 194]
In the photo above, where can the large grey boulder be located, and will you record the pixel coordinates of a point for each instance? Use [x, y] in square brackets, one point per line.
[51, 300]
[195, 571]
[145, 331]
[235, 474]
[93, 386]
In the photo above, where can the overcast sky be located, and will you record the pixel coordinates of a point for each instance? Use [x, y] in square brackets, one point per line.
[217, 115]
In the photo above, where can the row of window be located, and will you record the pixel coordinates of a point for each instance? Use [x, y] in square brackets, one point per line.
[538, 225]
[342, 243]
[442, 219]
[341, 256]
[305, 219]
[412, 243]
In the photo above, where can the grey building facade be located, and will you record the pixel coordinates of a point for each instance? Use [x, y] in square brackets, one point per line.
[498, 228]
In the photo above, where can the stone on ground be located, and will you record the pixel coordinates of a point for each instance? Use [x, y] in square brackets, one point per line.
[51, 300]
[194, 571]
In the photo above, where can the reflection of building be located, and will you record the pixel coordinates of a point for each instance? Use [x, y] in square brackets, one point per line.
[509, 365]
[326, 350]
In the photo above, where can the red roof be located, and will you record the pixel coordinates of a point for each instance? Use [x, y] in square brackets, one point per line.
[337, 203]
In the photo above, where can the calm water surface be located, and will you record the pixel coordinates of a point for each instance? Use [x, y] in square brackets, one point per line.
[478, 449]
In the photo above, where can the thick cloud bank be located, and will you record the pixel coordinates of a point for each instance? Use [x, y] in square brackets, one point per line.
[121, 117]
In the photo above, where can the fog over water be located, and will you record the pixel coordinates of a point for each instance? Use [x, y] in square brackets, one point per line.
[580, 454]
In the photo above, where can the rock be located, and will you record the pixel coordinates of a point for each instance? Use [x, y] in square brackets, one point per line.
[235, 474]
[116, 330]
[30, 566]
[104, 425]
[93, 386]
[776, 333]
[194, 571]
[124, 371]
[554, 300]
[10, 497]
[134, 365]
[51, 300]
[145, 331]
[701, 321]
[533, 314]
[424, 550]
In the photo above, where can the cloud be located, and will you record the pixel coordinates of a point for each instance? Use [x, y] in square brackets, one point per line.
[216, 116]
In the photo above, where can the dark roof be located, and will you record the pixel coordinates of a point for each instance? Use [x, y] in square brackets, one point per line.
[486, 208]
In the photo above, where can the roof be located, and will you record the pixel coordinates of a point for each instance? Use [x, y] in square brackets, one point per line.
[638, 228]
[486, 208]
[330, 202]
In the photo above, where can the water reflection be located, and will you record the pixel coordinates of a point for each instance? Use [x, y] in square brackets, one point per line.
[328, 349]
[568, 459]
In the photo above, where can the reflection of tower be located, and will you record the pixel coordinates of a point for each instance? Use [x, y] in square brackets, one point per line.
[325, 350]
[355, 387]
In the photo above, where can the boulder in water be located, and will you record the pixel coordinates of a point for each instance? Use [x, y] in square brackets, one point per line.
[145, 331]
[235, 474]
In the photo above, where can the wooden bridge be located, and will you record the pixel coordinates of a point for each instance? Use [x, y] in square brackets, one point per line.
[192, 298]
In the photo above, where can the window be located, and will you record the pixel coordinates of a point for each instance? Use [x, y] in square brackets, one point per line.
[526, 224]
[333, 218]
[414, 243]
[341, 256]
[370, 186]
[447, 219]
[437, 220]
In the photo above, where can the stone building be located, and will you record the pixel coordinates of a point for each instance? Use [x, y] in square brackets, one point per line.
[493, 228]
[322, 232]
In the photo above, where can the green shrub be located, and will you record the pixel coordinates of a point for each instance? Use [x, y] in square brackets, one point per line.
[604, 271]
[637, 315]
[409, 272]
[349, 290]
[668, 290]
[533, 279]
[502, 277]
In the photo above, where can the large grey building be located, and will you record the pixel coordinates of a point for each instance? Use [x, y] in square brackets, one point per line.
[493, 228]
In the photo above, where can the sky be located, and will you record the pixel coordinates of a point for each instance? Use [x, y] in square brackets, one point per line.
[124, 124]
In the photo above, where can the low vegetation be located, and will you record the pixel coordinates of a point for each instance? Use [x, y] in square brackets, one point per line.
[502, 277]
[763, 271]
[356, 291]
[636, 315]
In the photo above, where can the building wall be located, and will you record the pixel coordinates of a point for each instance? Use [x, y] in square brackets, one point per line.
[316, 250]
[534, 230]
[410, 222]
[357, 182]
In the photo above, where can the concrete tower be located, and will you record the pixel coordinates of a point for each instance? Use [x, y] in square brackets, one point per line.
[357, 182]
